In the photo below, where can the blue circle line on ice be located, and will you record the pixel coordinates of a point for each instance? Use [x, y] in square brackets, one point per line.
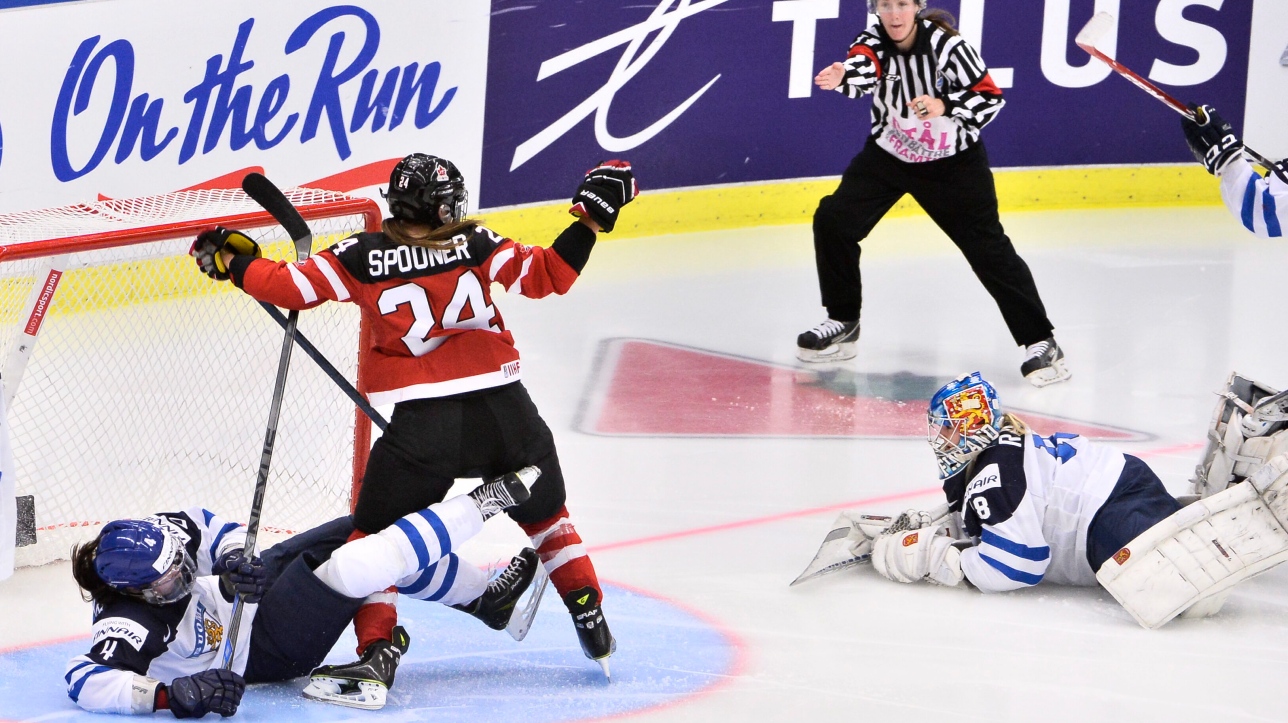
[457, 669]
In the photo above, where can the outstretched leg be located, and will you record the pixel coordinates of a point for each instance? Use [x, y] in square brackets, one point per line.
[409, 546]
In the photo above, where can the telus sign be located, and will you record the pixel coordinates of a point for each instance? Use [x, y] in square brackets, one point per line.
[223, 109]
[700, 92]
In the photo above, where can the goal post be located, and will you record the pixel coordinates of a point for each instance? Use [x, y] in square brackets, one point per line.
[138, 385]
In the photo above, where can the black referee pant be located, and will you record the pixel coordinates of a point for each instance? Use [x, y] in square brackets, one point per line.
[959, 196]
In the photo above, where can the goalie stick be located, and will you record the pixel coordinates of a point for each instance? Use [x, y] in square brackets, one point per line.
[272, 200]
[1096, 28]
[849, 542]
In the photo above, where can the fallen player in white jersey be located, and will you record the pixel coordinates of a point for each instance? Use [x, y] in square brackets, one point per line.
[1260, 204]
[163, 589]
[1025, 509]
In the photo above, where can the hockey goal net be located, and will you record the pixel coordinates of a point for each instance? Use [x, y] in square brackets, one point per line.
[136, 384]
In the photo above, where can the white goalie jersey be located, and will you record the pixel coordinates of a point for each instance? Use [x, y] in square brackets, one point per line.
[1028, 502]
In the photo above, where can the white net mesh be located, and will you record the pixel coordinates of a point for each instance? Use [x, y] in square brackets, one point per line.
[149, 385]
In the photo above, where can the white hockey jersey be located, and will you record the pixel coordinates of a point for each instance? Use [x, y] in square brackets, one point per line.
[1261, 204]
[131, 638]
[1028, 502]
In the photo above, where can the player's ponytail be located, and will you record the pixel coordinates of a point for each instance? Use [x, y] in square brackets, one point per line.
[942, 18]
[92, 586]
[409, 233]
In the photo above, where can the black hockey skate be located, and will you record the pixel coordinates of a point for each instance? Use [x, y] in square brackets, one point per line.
[829, 341]
[495, 606]
[1044, 363]
[504, 492]
[363, 684]
[596, 640]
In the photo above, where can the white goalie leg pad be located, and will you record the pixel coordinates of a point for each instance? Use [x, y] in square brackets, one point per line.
[413, 543]
[450, 581]
[1201, 551]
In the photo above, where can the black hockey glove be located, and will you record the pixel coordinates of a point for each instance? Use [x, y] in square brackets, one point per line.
[210, 691]
[205, 249]
[602, 193]
[1211, 138]
[246, 577]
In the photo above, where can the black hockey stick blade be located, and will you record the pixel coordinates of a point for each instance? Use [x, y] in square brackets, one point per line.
[271, 198]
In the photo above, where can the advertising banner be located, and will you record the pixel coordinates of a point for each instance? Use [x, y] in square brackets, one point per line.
[701, 92]
[133, 97]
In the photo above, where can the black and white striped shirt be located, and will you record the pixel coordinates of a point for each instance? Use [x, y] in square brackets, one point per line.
[940, 65]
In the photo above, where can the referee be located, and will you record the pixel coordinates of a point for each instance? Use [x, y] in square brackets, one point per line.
[931, 96]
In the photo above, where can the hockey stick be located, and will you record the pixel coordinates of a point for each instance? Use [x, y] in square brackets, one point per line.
[271, 198]
[849, 543]
[329, 369]
[1096, 28]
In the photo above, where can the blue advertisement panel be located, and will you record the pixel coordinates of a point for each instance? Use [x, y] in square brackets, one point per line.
[700, 92]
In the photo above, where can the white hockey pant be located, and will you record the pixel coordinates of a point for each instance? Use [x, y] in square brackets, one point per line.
[1189, 560]
[402, 550]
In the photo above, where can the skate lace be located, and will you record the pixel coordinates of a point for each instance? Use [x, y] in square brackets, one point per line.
[495, 497]
[1037, 350]
[828, 328]
[508, 577]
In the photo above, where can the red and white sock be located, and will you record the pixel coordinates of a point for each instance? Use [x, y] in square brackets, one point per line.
[376, 619]
[563, 554]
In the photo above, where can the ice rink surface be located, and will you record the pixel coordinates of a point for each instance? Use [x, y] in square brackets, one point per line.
[704, 464]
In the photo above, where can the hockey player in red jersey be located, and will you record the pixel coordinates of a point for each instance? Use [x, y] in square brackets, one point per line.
[442, 355]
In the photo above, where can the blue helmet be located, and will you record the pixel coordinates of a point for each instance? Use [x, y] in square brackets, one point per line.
[964, 418]
[142, 558]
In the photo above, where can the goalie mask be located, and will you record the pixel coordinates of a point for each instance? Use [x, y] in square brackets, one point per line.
[963, 420]
[142, 559]
[427, 189]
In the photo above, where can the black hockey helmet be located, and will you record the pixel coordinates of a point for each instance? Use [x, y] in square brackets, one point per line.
[427, 189]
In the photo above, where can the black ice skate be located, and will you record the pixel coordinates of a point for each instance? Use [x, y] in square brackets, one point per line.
[1044, 363]
[504, 492]
[362, 684]
[596, 640]
[495, 606]
[829, 341]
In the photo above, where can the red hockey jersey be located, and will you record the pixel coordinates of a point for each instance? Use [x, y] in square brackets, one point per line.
[434, 329]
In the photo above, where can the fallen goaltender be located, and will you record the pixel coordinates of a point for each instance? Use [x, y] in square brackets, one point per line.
[1006, 524]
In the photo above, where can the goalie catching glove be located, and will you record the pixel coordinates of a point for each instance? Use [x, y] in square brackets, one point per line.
[205, 249]
[602, 193]
[917, 554]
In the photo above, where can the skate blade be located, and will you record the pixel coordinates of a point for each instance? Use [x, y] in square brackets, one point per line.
[1053, 374]
[603, 663]
[368, 696]
[521, 620]
[833, 353]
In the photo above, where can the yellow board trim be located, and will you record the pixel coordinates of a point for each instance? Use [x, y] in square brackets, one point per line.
[793, 202]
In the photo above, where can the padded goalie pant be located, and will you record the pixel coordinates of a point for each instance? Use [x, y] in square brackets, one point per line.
[1138, 502]
[959, 196]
